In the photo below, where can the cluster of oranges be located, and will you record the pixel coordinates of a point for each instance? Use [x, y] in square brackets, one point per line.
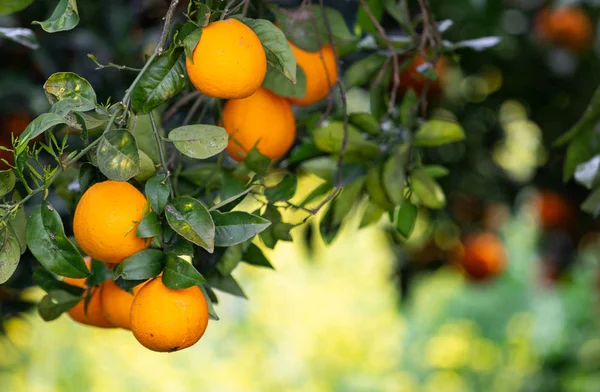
[160, 318]
[229, 62]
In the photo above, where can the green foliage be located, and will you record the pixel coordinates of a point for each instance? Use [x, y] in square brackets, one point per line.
[118, 156]
[65, 17]
[199, 141]
[142, 265]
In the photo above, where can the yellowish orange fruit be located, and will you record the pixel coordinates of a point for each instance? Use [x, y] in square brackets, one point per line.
[568, 26]
[320, 69]
[262, 118]
[116, 303]
[483, 256]
[106, 221]
[229, 60]
[166, 320]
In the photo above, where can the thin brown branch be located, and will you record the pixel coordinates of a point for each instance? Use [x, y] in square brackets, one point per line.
[167, 27]
[193, 110]
[177, 105]
[245, 9]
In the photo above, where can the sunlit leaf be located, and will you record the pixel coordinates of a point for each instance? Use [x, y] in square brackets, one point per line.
[282, 86]
[405, 218]
[72, 88]
[427, 190]
[179, 274]
[144, 264]
[118, 156]
[10, 6]
[190, 219]
[10, 253]
[437, 132]
[232, 228]
[158, 190]
[199, 141]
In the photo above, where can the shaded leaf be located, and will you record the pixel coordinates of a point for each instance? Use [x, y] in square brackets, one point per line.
[158, 190]
[363, 71]
[180, 274]
[232, 228]
[372, 214]
[329, 138]
[393, 176]
[226, 284]
[10, 6]
[199, 141]
[209, 300]
[285, 190]
[229, 260]
[327, 226]
[365, 122]
[257, 162]
[20, 35]
[591, 204]
[118, 156]
[10, 253]
[405, 218]
[282, 86]
[587, 121]
[254, 256]
[65, 17]
[8, 181]
[47, 282]
[190, 219]
[55, 303]
[580, 150]
[142, 265]
[149, 226]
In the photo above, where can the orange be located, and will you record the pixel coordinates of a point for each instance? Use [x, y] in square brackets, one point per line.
[106, 220]
[553, 210]
[483, 256]
[321, 73]
[566, 26]
[262, 118]
[229, 60]
[94, 315]
[167, 320]
[116, 303]
[412, 78]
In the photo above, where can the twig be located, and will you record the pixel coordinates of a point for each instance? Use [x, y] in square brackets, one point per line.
[245, 9]
[431, 37]
[166, 27]
[395, 64]
[193, 110]
[161, 150]
[182, 101]
[111, 65]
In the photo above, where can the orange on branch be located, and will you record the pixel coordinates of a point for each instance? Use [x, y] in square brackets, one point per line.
[320, 69]
[412, 78]
[228, 62]
[262, 118]
[116, 303]
[106, 221]
[166, 320]
[483, 256]
[566, 26]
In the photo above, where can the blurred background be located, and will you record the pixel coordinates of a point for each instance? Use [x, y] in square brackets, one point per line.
[372, 311]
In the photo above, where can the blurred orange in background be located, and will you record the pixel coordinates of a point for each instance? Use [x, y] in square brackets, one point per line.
[11, 124]
[567, 26]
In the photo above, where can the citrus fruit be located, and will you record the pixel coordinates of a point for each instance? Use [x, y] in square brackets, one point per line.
[229, 60]
[320, 69]
[566, 26]
[483, 256]
[412, 78]
[94, 315]
[106, 220]
[116, 303]
[553, 210]
[262, 118]
[166, 320]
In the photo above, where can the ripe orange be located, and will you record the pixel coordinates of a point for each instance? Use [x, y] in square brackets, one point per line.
[566, 26]
[167, 320]
[412, 78]
[94, 315]
[553, 210]
[106, 220]
[483, 256]
[321, 73]
[262, 118]
[116, 303]
[229, 60]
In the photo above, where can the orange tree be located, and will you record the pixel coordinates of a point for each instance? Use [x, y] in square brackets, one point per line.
[232, 104]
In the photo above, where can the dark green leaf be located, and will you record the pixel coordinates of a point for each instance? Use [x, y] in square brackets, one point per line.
[437, 132]
[405, 219]
[327, 226]
[282, 86]
[587, 121]
[190, 219]
[158, 190]
[76, 91]
[364, 19]
[199, 141]
[10, 253]
[230, 259]
[269, 236]
[254, 256]
[180, 274]
[164, 79]
[144, 134]
[408, 114]
[20, 35]
[10, 6]
[428, 191]
[580, 150]
[319, 191]
[591, 205]
[190, 42]
[364, 70]
[7, 181]
[302, 152]
[41, 124]
[203, 17]
[88, 176]
[47, 241]
[147, 167]
[393, 174]
[257, 162]
[55, 303]
[278, 52]
[329, 139]
[346, 200]
[18, 224]
[351, 172]
[149, 226]
[285, 190]
[235, 227]
[181, 247]
[118, 156]
[47, 282]
[100, 273]
[365, 122]
[65, 17]
[144, 264]
[211, 298]
[226, 284]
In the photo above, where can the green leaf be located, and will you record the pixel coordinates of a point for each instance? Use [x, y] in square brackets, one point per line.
[18, 225]
[232, 228]
[346, 200]
[586, 122]
[47, 241]
[285, 190]
[437, 132]
[226, 284]
[203, 18]
[41, 124]
[405, 219]
[209, 300]
[144, 134]
[436, 171]
[8, 181]
[144, 264]
[158, 190]
[254, 256]
[408, 114]
[376, 190]
[232, 201]
[580, 150]
[587, 173]
[77, 92]
[365, 122]
[282, 86]
[329, 138]
[364, 20]
[190, 219]
[149, 226]
[279, 53]
[371, 215]
[55, 303]
[147, 168]
[10, 6]
[428, 191]
[322, 167]
[100, 273]
[190, 42]
[327, 226]
[278, 229]
[47, 282]
[393, 176]
[364, 70]
[307, 29]
[591, 205]
[180, 274]
[199, 141]
[229, 260]
[88, 176]
[118, 156]
[257, 162]
[164, 79]
[10, 253]
[20, 35]
[65, 17]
